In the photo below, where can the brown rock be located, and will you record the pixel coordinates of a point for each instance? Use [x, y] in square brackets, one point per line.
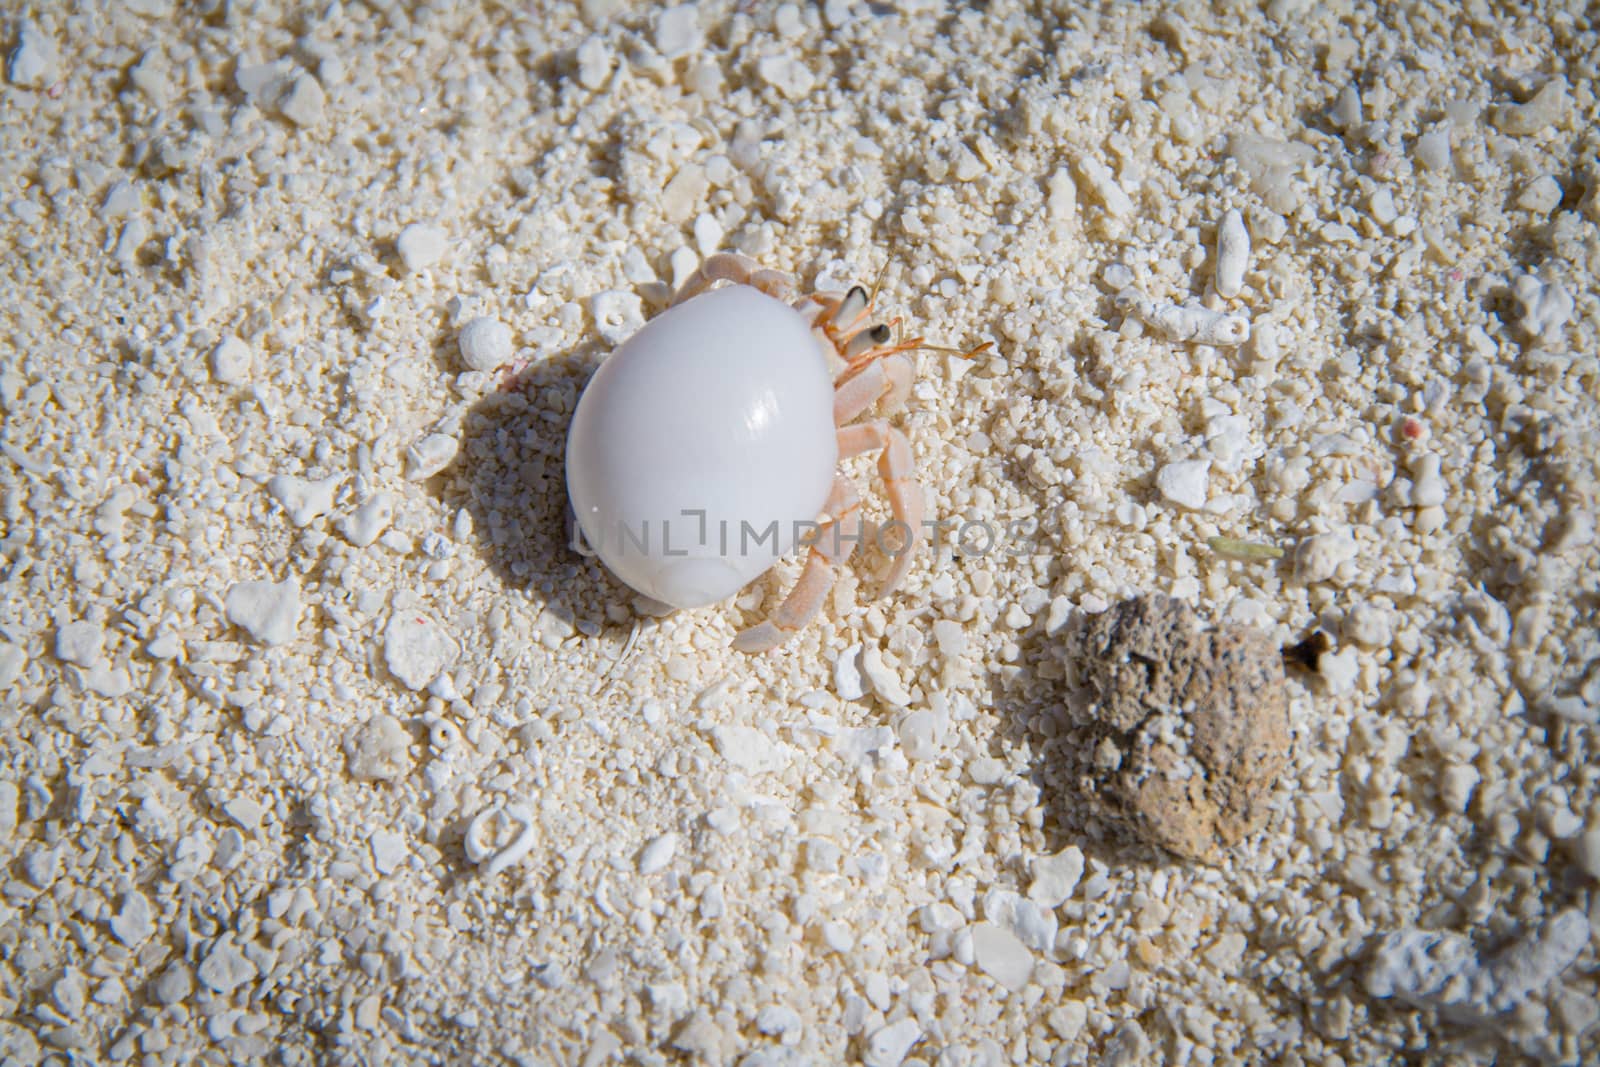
[1190, 727]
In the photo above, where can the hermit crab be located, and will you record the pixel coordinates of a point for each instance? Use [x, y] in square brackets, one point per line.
[706, 447]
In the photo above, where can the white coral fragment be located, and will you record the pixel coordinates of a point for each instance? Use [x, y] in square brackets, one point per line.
[1102, 185]
[1233, 254]
[416, 649]
[486, 843]
[430, 455]
[1186, 322]
[1547, 107]
[267, 611]
[305, 500]
[617, 315]
[1439, 969]
[1543, 306]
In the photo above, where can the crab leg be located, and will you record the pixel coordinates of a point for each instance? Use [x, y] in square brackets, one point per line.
[902, 488]
[887, 378]
[831, 546]
[741, 270]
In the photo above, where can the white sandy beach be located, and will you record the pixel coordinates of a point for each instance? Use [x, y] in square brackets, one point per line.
[318, 744]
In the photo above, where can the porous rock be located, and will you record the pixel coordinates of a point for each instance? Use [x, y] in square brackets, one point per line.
[1189, 726]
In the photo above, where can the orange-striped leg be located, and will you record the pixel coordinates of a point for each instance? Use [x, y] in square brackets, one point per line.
[887, 379]
[741, 270]
[830, 547]
[899, 483]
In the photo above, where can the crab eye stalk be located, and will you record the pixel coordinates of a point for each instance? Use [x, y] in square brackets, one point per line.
[867, 340]
[851, 307]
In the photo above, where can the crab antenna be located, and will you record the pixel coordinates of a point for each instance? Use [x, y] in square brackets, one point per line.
[877, 282]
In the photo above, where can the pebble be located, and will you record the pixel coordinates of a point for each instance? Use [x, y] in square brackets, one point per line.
[135, 923]
[1233, 254]
[919, 735]
[304, 500]
[777, 1020]
[857, 745]
[366, 523]
[1033, 924]
[70, 993]
[678, 31]
[1068, 1019]
[302, 103]
[267, 611]
[887, 1046]
[683, 192]
[594, 63]
[1432, 149]
[1456, 783]
[950, 637]
[999, 954]
[1428, 487]
[35, 62]
[847, 680]
[1117, 276]
[121, 199]
[1544, 306]
[1346, 111]
[430, 455]
[1055, 877]
[135, 232]
[1317, 558]
[1540, 196]
[1547, 107]
[388, 851]
[1368, 625]
[421, 246]
[13, 660]
[164, 645]
[416, 649]
[259, 80]
[485, 343]
[787, 74]
[708, 233]
[1339, 670]
[231, 360]
[1226, 952]
[749, 749]
[1586, 852]
[886, 685]
[986, 770]
[80, 643]
[225, 967]
[244, 811]
[174, 985]
[1185, 482]
[1062, 197]
[379, 750]
[1381, 205]
[1102, 185]
[658, 853]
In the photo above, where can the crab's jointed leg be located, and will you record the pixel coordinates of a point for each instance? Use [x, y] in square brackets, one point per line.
[899, 482]
[887, 379]
[831, 546]
[741, 270]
